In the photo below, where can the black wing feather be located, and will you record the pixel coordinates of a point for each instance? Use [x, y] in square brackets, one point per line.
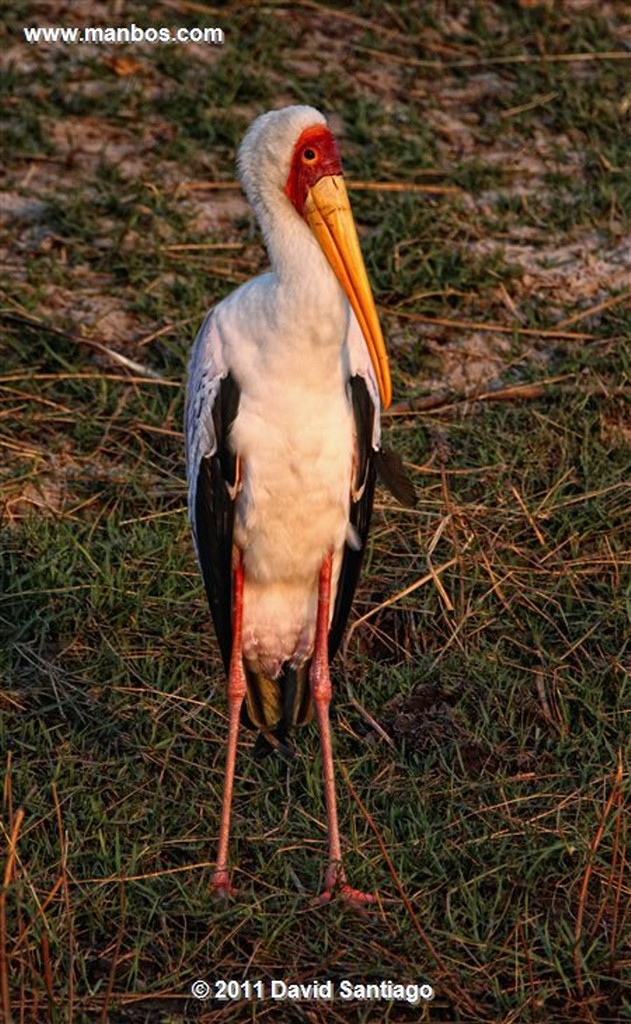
[360, 511]
[214, 515]
[392, 474]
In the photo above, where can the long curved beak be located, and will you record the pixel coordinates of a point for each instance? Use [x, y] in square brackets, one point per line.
[327, 211]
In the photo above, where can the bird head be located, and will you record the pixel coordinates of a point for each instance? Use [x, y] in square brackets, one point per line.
[292, 153]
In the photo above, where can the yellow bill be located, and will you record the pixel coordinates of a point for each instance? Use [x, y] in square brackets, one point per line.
[328, 213]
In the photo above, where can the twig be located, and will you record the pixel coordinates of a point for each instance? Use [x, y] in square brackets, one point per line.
[48, 975]
[403, 186]
[93, 376]
[538, 101]
[149, 874]
[41, 911]
[593, 310]
[117, 357]
[529, 516]
[361, 710]
[517, 58]
[8, 875]
[440, 529]
[164, 330]
[397, 597]
[204, 246]
[595, 843]
[510, 393]
[353, 186]
[616, 920]
[207, 186]
[115, 956]
[352, 19]
[63, 857]
[472, 325]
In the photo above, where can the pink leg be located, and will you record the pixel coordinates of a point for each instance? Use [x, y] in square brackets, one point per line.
[320, 681]
[236, 692]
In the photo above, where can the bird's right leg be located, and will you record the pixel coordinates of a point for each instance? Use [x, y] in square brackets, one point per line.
[320, 680]
[236, 693]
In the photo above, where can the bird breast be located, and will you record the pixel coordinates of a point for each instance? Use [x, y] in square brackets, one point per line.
[295, 447]
[293, 504]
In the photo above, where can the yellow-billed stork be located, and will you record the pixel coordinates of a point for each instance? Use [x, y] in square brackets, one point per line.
[286, 379]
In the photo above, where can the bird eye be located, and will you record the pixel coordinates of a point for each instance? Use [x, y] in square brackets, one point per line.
[309, 155]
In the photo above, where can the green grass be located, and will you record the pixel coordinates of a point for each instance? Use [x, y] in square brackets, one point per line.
[502, 797]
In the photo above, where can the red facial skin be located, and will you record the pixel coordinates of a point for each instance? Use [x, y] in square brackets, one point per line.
[305, 169]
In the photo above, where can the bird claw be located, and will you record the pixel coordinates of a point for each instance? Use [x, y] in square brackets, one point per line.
[354, 898]
[336, 884]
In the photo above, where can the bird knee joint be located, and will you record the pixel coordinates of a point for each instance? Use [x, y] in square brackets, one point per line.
[237, 686]
[321, 692]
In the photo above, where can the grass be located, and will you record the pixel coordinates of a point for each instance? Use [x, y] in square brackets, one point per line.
[493, 816]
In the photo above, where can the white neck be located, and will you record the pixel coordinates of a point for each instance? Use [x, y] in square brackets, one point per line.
[307, 289]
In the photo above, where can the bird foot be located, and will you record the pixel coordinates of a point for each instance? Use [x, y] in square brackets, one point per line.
[354, 898]
[335, 884]
[220, 885]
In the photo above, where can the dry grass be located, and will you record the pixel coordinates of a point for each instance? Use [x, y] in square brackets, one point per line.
[482, 724]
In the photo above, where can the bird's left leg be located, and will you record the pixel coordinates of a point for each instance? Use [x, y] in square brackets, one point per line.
[320, 681]
[236, 692]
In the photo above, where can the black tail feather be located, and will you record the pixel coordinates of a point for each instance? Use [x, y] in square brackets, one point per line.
[268, 743]
[276, 706]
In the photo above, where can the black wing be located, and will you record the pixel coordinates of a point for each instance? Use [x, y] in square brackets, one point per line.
[362, 494]
[370, 463]
[213, 513]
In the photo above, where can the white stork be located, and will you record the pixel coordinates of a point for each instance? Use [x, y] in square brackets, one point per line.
[286, 379]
